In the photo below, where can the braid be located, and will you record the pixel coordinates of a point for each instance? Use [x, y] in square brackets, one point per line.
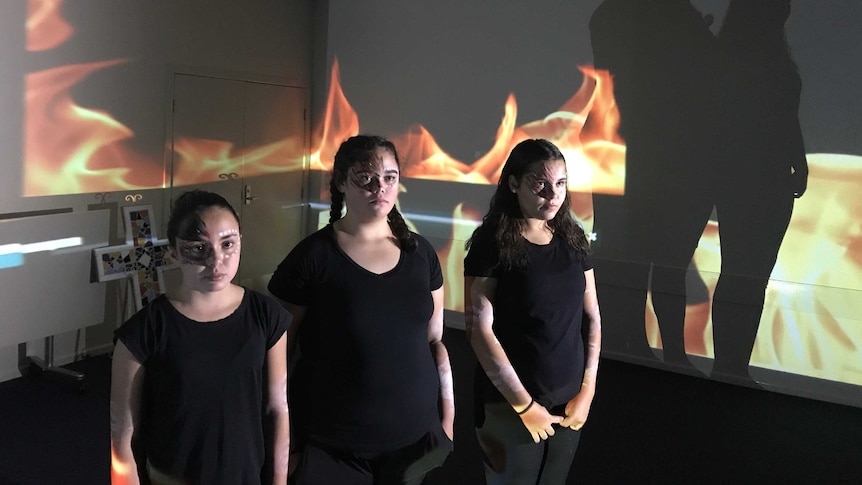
[336, 201]
[402, 232]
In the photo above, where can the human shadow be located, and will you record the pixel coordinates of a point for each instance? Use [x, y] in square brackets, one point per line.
[763, 168]
[661, 56]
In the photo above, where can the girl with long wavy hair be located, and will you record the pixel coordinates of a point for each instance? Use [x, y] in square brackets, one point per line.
[532, 320]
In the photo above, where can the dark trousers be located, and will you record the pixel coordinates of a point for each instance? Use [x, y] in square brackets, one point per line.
[511, 456]
[322, 465]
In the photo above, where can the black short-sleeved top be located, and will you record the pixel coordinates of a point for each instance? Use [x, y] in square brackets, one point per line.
[537, 317]
[203, 387]
[365, 380]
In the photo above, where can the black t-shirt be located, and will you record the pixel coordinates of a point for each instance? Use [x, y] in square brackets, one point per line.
[365, 380]
[203, 387]
[537, 317]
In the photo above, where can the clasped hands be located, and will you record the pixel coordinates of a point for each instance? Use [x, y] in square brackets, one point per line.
[540, 423]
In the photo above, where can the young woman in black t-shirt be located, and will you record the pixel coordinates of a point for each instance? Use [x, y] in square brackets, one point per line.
[191, 369]
[532, 320]
[371, 395]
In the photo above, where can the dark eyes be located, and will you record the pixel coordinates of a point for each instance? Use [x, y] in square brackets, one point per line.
[194, 248]
[365, 178]
[202, 248]
[541, 184]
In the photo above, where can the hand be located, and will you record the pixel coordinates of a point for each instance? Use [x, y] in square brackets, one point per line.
[539, 422]
[577, 409]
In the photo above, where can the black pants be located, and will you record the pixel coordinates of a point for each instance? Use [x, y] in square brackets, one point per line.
[322, 465]
[511, 456]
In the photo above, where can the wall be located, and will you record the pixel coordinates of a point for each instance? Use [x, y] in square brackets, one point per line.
[455, 85]
[113, 63]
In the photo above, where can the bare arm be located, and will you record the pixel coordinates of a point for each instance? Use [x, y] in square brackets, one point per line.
[579, 407]
[276, 362]
[126, 381]
[444, 369]
[479, 313]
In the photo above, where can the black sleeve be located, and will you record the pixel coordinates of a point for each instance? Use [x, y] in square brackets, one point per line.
[276, 318]
[138, 334]
[483, 257]
[292, 280]
[435, 271]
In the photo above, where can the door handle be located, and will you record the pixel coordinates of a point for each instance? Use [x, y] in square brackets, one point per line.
[248, 198]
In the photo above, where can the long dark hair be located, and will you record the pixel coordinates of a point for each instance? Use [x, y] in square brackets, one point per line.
[504, 223]
[363, 149]
[185, 221]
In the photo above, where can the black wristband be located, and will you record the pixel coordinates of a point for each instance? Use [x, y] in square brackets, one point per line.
[526, 408]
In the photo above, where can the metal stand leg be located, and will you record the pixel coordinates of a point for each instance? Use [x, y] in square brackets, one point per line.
[30, 365]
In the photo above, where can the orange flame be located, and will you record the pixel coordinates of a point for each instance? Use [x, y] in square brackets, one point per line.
[71, 149]
[120, 469]
[340, 123]
[46, 28]
[597, 165]
[203, 160]
[452, 256]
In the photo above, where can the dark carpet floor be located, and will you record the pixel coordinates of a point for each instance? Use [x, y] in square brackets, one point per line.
[647, 426]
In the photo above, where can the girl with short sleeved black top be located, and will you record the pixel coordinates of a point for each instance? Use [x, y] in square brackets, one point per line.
[194, 372]
[532, 320]
[371, 395]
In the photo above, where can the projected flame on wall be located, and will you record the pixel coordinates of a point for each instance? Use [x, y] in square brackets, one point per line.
[72, 149]
[810, 322]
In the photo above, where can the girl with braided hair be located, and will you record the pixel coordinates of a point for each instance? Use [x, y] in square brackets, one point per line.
[371, 394]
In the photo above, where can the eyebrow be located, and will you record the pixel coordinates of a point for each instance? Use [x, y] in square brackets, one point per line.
[387, 171]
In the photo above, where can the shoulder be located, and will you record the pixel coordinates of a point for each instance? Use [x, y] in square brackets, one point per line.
[142, 332]
[483, 256]
[482, 243]
[266, 308]
[321, 240]
[425, 250]
[423, 245]
[313, 248]
[577, 254]
[154, 312]
[256, 298]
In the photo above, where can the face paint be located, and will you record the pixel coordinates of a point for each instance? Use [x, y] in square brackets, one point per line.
[543, 184]
[371, 180]
[204, 253]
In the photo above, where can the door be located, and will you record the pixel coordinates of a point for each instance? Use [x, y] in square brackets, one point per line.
[246, 141]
